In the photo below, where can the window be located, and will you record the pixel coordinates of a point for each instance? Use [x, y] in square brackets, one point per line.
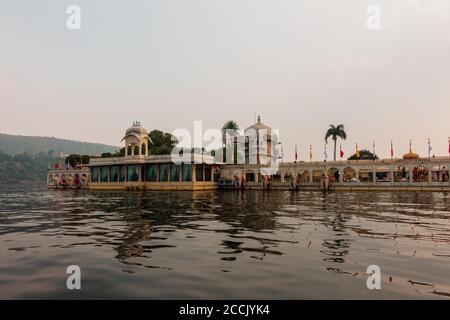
[151, 173]
[163, 172]
[207, 173]
[104, 175]
[175, 172]
[123, 174]
[95, 175]
[199, 172]
[114, 174]
[187, 172]
[133, 173]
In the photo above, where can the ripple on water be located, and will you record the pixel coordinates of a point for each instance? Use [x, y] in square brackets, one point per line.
[223, 244]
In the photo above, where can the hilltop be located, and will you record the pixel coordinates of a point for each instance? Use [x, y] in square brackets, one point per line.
[15, 144]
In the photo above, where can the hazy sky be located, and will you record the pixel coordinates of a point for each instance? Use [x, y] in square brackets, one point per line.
[300, 64]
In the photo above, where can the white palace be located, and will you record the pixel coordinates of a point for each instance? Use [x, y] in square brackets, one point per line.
[139, 170]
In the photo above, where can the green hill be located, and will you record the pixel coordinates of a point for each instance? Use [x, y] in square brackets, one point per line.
[13, 145]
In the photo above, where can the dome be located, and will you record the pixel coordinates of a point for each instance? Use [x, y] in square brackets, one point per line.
[259, 126]
[137, 129]
[411, 156]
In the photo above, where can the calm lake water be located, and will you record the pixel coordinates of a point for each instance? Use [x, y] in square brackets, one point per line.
[223, 245]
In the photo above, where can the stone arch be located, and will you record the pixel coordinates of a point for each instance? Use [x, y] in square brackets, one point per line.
[303, 176]
[349, 174]
[334, 173]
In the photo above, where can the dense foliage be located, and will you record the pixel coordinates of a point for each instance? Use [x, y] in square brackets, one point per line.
[13, 145]
[25, 167]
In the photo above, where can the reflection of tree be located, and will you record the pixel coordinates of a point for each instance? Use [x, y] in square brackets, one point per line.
[337, 248]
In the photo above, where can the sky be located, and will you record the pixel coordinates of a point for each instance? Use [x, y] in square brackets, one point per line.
[301, 64]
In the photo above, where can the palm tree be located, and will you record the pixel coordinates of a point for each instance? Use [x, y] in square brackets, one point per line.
[230, 125]
[334, 133]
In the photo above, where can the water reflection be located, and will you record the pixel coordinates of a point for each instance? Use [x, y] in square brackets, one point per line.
[285, 237]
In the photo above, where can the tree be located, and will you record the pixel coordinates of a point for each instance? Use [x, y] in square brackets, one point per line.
[107, 155]
[77, 159]
[364, 155]
[161, 142]
[335, 132]
[229, 125]
[234, 127]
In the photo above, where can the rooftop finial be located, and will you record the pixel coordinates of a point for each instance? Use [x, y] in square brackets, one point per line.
[259, 118]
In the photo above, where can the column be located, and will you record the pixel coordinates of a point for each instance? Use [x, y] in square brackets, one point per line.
[374, 173]
[392, 175]
[282, 177]
[310, 176]
[341, 175]
[430, 174]
[194, 172]
[410, 176]
[357, 174]
[256, 176]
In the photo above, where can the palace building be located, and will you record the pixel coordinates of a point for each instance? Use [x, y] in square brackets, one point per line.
[140, 170]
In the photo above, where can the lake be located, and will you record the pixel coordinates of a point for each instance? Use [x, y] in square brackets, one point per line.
[223, 245]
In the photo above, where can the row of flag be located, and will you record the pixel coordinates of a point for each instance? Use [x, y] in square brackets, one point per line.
[358, 152]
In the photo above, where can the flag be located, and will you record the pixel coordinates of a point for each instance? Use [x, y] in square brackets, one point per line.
[449, 145]
[429, 148]
[325, 151]
[310, 152]
[296, 155]
[341, 152]
[373, 150]
[392, 150]
[357, 151]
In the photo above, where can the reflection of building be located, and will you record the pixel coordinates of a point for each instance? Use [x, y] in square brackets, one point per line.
[139, 170]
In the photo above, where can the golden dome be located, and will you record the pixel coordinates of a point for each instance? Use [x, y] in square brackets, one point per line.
[411, 156]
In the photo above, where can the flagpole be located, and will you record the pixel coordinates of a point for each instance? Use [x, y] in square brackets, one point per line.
[429, 149]
[392, 151]
[449, 146]
[373, 149]
[295, 154]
